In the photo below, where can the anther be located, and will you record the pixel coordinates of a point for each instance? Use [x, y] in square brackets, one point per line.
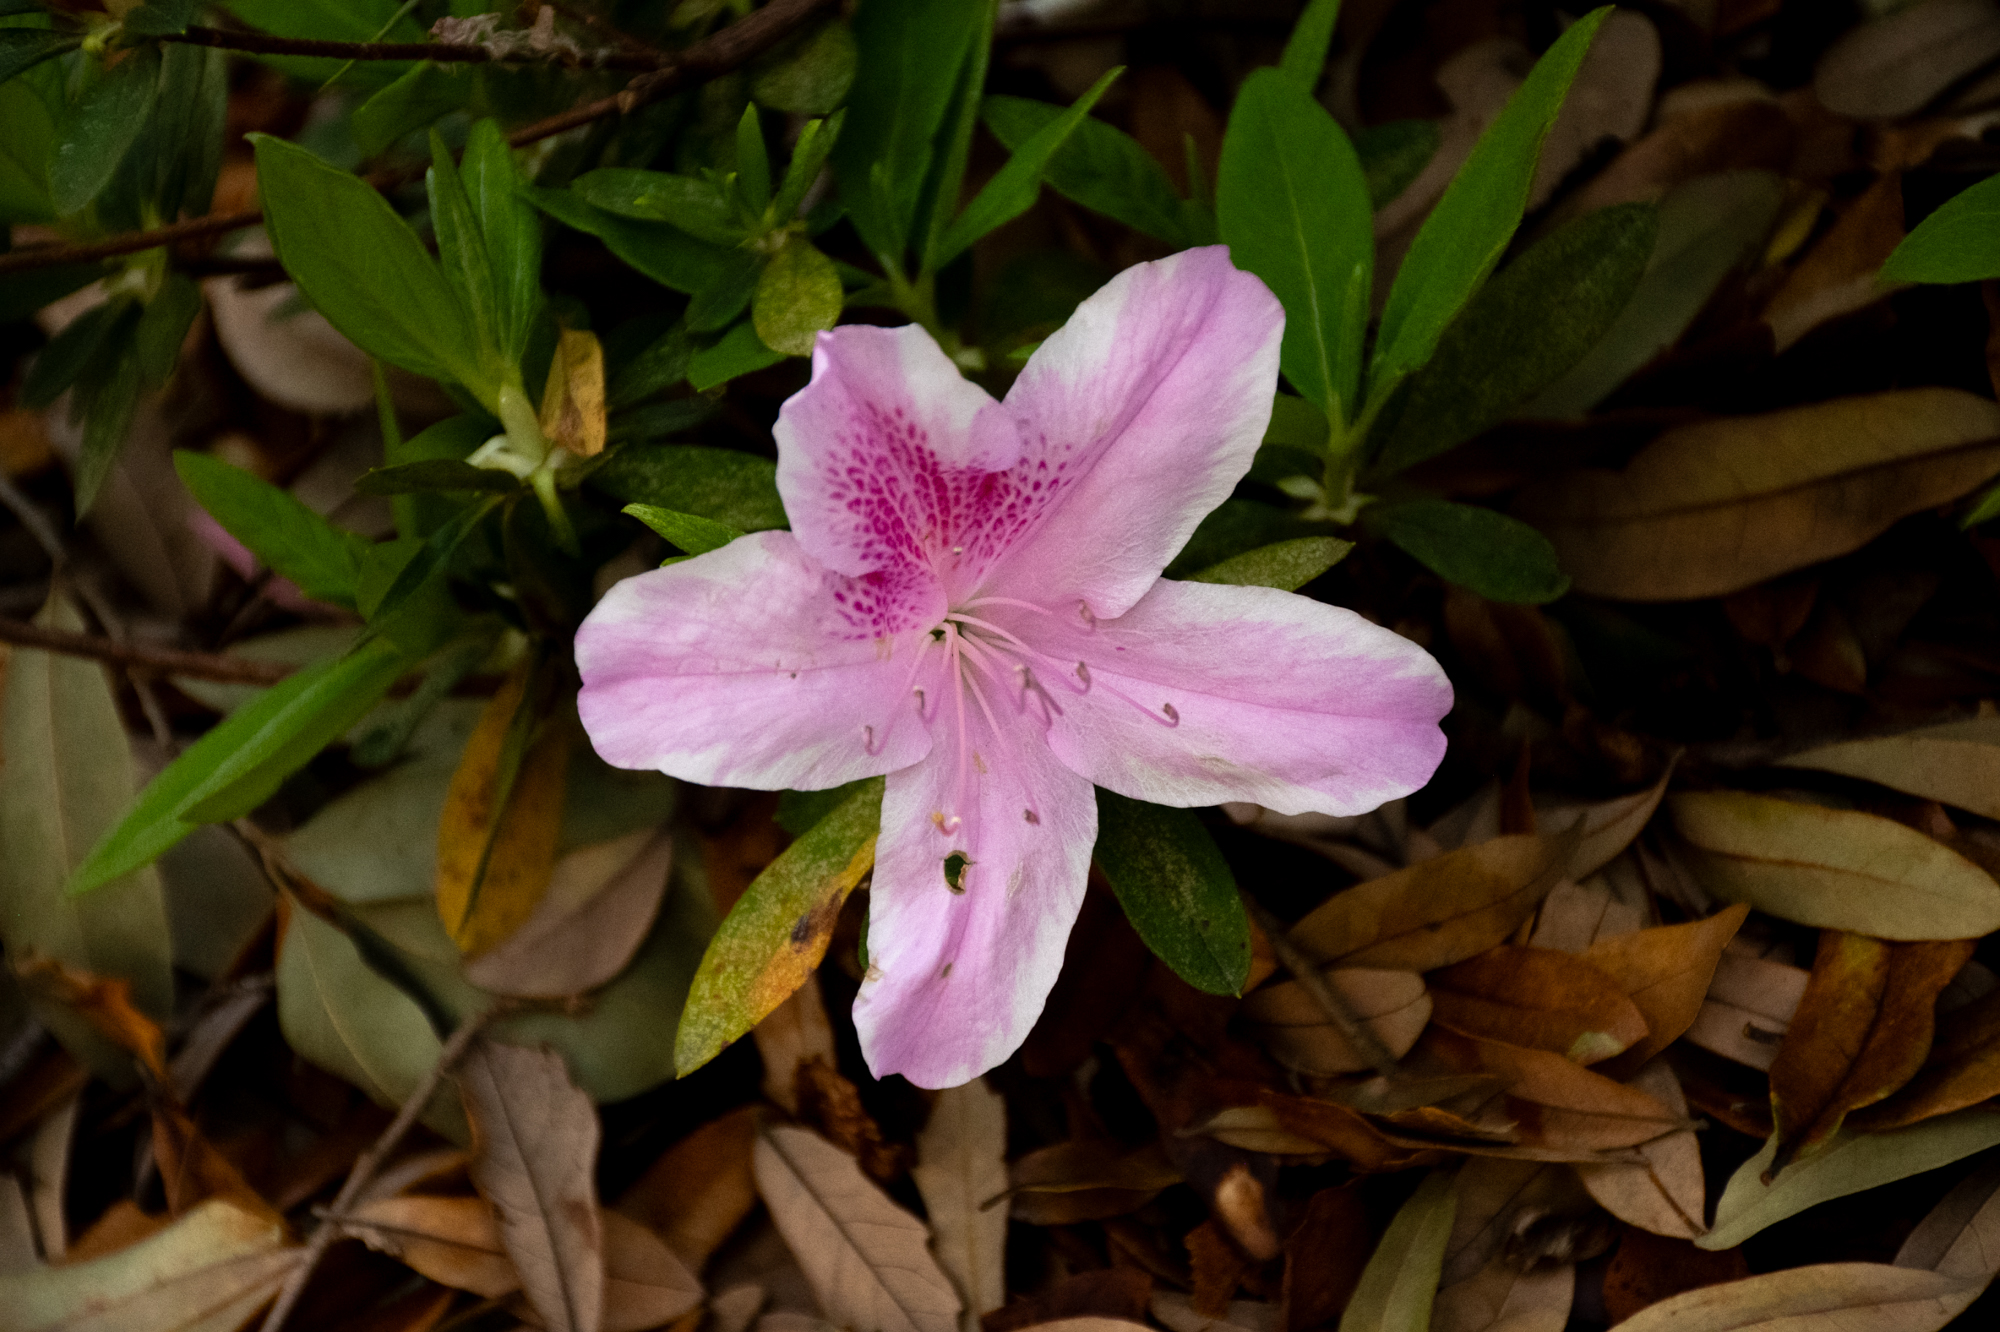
[1083, 674]
[868, 739]
[1172, 715]
[1083, 609]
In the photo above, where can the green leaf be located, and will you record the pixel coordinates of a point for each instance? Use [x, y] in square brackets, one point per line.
[1013, 188]
[90, 337]
[778, 931]
[435, 474]
[809, 154]
[660, 419]
[364, 269]
[689, 203]
[1500, 558]
[738, 352]
[798, 294]
[100, 128]
[1099, 166]
[1468, 230]
[807, 74]
[666, 254]
[293, 540]
[1294, 210]
[333, 20]
[241, 762]
[1400, 1282]
[513, 234]
[658, 367]
[753, 162]
[105, 398]
[1395, 154]
[67, 777]
[462, 255]
[161, 18]
[1287, 565]
[1304, 59]
[731, 285]
[21, 49]
[420, 97]
[909, 56]
[1176, 890]
[738, 490]
[181, 151]
[429, 561]
[1523, 330]
[25, 150]
[1960, 242]
[798, 811]
[944, 184]
[163, 327]
[1235, 526]
[696, 536]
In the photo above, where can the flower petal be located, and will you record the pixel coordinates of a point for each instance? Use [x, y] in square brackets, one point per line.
[957, 979]
[1141, 414]
[882, 453]
[1275, 698]
[743, 667]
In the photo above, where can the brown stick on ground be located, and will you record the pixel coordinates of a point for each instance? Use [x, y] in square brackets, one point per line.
[146, 656]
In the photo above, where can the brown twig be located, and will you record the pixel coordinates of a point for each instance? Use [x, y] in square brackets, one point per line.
[258, 43]
[217, 666]
[1313, 981]
[734, 46]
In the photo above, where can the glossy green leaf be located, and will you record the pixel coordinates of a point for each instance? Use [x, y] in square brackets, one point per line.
[435, 474]
[738, 490]
[1099, 166]
[778, 931]
[1960, 242]
[21, 49]
[106, 397]
[945, 182]
[753, 162]
[1468, 230]
[666, 254]
[163, 327]
[798, 294]
[1500, 558]
[100, 128]
[1524, 329]
[364, 269]
[184, 142]
[1394, 154]
[513, 235]
[690, 203]
[91, 337]
[738, 352]
[292, 540]
[1294, 210]
[462, 254]
[427, 562]
[1287, 565]
[696, 536]
[732, 283]
[660, 365]
[809, 154]
[240, 763]
[416, 100]
[1399, 1284]
[1013, 188]
[1304, 59]
[1176, 890]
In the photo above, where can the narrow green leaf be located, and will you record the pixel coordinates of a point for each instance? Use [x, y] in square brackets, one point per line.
[1468, 230]
[696, 536]
[416, 100]
[364, 269]
[1395, 154]
[753, 162]
[435, 474]
[1013, 188]
[462, 253]
[1294, 210]
[942, 187]
[662, 364]
[809, 154]
[1500, 558]
[738, 490]
[163, 327]
[778, 931]
[162, 18]
[1304, 59]
[429, 561]
[1960, 242]
[798, 294]
[1524, 329]
[1176, 890]
[1288, 565]
[293, 540]
[738, 352]
[100, 129]
[513, 235]
[689, 203]
[87, 339]
[240, 763]
[185, 143]
[1400, 1282]
[106, 399]
[666, 254]
[732, 282]
[1099, 166]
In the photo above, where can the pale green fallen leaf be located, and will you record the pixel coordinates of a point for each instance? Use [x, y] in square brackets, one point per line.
[1401, 1279]
[1956, 764]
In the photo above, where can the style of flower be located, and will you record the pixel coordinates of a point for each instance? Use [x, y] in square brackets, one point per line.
[970, 602]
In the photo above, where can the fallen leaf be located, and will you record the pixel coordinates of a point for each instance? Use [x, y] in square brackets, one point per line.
[1393, 1004]
[105, 1003]
[1957, 763]
[866, 1258]
[1607, 826]
[1324, 1257]
[1667, 971]
[1399, 1283]
[1499, 1298]
[1648, 1268]
[1178, 1314]
[1963, 1069]
[696, 1194]
[1575, 915]
[1901, 61]
[1117, 1295]
[1554, 1103]
[1218, 1267]
[1438, 912]
[961, 1163]
[1087, 1179]
[1710, 508]
[791, 1036]
[192, 1170]
[1839, 275]
[534, 1148]
[831, 1104]
[1303, 1126]
[1834, 868]
[1665, 1195]
[599, 906]
[1539, 998]
[1834, 1295]
[208, 1272]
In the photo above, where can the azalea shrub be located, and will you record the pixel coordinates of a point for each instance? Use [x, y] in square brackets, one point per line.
[932, 606]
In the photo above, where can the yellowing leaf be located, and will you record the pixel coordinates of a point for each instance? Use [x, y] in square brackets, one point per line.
[1540, 998]
[961, 1164]
[1666, 970]
[865, 1257]
[1835, 869]
[1956, 764]
[573, 398]
[1395, 1005]
[1710, 508]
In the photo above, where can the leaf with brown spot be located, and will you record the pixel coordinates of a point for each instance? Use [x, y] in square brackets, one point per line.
[1296, 1030]
[1539, 998]
[778, 931]
[572, 415]
[1441, 911]
[1666, 972]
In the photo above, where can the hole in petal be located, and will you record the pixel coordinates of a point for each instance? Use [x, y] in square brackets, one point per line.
[954, 871]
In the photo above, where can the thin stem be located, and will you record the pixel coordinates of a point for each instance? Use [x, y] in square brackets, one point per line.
[1313, 981]
[259, 43]
[145, 656]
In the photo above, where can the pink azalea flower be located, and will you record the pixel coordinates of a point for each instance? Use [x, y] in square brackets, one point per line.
[970, 602]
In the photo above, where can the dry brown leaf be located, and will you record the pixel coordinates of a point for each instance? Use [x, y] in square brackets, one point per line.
[1575, 915]
[1900, 62]
[588, 925]
[1324, 1257]
[534, 1149]
[1740, 133]
[1838, 275]
[1963, 1069]
[1439, 912]
[106, 1003]
[1218, 1266]
[1956, 764]
[1539, 998]
[1710, 508]
[1554, 1103]
[793, 1034]
[1862, 1030]
[962, 1164]
[192, 1170]
[1284, 1125]
[1087, 1179]
[1748, 1009]
[701, 1190]
[1296, 1030]
[1666, 971]
[1667, 1194]
[497, 849]
[573, 398]
[1498, 1298]
[866, 1258]
[1608, 825]
[1648, 1268]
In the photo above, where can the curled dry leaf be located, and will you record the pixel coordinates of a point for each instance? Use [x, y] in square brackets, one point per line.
[1575, 915]
[1608, 826]
[1087, 1179]
[1439, 912]
[588, 925]
[1862, 1030]
[534, 1138]
[1839, 275]
[1667, 1194]
[1539, 998]
[1833, 868]
[1393, 1004]
[961, 1164]
[867, 1259]
[1714, 507]
[1284, 1125]
[1555, 1103]
[1962, 1069]
[1666, 971]
[1956, 764]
